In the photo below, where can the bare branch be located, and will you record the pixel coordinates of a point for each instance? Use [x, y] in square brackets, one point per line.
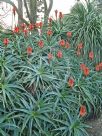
[20, 8]
[27, 10]
[50, 6]
[18, 12]
[47, 10]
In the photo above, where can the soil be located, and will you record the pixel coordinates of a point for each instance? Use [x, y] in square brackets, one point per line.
[96, 125]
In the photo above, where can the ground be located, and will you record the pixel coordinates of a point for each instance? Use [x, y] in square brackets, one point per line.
[96, 125]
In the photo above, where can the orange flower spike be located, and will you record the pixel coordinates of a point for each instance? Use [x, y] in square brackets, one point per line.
[40, 24]
[41, 43]
[69, 34]
[80, 46]
[97, 68]
[91, 55]
[49, 32]
[83, 111]
[23, 25]
[36, 25]
[100, 65]
[60, 15]
[31, 27]
[71, 82]
[59, 54]
[86, 71]
[67, 45]
[6, 41]
[29, 50]
[25, 31]
[62, 42]
[82, 66]
[50, 20]
[16, 30]
[50, 56]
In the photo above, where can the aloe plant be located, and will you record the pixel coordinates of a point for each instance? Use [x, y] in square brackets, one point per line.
[47, 87]
[86, 28]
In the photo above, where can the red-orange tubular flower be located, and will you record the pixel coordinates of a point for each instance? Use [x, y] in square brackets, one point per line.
[25, 31]
[60, 15]
[86, 71]
[67, 45]
[16, 30]
[59, 54]
[31, 27]
[23, 25]
[6, 41]
[36, 25]
[50, 20]
[62, 42]
[69, 34]
[50, 56]
[83, 111]
[91, 55]
[80, 46]
[41, 43]
[49, 32]
[29, 50]
[71, 82]
[98, 67]
[40, 25]
[82, 66]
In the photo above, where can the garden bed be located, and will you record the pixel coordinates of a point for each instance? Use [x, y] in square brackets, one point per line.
[50, 82]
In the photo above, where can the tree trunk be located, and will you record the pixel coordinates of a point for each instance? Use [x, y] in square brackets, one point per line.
[33, 10]
[20, 8]
[47, 11]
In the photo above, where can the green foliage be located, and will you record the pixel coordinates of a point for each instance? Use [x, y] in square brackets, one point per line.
[86, 28]
[6, 124]
[43, 85]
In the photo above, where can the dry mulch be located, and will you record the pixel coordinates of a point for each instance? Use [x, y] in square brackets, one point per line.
[96, 125]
